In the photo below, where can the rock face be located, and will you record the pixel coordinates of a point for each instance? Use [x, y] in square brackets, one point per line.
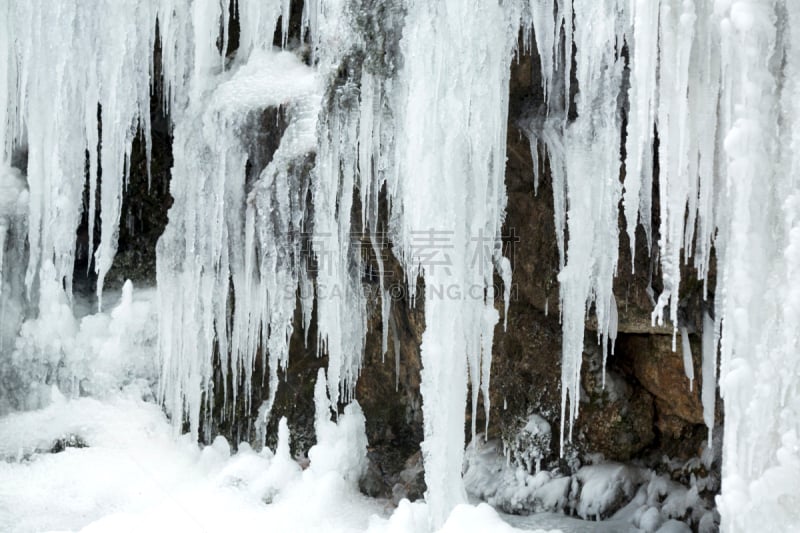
[645, 409]
[646, 406]
[661, 372]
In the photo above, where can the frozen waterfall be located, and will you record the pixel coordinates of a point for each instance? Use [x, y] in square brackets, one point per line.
[698, 97]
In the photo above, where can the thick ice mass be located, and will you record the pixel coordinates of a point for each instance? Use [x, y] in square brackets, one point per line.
[451, 160]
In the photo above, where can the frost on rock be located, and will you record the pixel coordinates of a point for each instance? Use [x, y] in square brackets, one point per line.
[623, 496]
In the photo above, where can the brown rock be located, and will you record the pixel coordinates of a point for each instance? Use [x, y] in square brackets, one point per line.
[615, 419]
[661, 372]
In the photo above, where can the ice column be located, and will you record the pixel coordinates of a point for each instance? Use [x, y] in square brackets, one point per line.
[451, 139]
[759, 253]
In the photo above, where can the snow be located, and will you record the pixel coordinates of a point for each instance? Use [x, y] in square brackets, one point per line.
[134, 475]
[607, 496]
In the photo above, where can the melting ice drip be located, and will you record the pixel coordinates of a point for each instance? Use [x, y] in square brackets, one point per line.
[718, 81]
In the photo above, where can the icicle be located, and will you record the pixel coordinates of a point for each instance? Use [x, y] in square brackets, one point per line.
[396, 347]
[549, 132]
[6, 88]
[593, 192]
[3, 236]
[688, 362]
[708, 394]
[106, 65]
[322, 404]
[258, 19]
[369, 186]
[341, 308]
[286, 10]
[613, 324]
[218, 236]
[641, 116]
[546, 30]
[676, 34]
[565, 23]
[705, 72]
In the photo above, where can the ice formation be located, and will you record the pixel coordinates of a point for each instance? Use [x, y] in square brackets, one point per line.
[715, 83]
[458, 192]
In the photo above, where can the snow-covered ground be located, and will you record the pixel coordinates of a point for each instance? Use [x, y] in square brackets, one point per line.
[131, 474]
[125, 471]
[103, 456]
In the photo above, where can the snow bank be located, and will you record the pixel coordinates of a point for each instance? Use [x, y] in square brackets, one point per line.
[131, 475]
[621, 497]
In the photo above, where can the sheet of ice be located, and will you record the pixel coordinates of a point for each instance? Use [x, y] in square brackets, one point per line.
[758, 257]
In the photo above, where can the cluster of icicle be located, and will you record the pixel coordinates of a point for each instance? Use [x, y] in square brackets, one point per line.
[429, 130]
[717, 80]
